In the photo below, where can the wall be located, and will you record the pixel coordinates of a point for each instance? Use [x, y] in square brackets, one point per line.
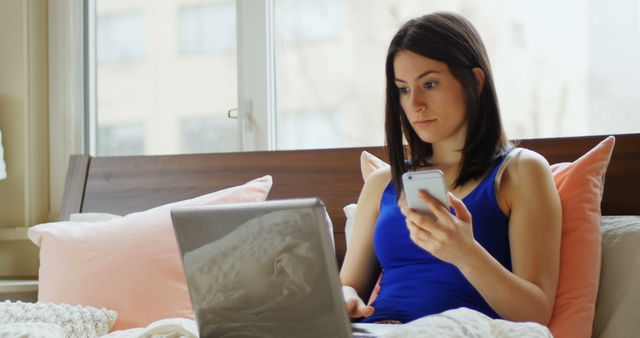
[24, 195]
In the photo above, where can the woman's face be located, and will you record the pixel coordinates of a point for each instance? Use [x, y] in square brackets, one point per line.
[431, 97]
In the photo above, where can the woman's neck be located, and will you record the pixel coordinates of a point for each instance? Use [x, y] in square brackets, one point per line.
[446, 156]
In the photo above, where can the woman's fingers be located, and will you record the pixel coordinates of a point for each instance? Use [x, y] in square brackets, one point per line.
[356, 308]
[416, 232]
[424, 222]
[461, 210]
[366, 310]
[436, 207]
[352, 307]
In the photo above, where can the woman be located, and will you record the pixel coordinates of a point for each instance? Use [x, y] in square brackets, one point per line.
[497, 251]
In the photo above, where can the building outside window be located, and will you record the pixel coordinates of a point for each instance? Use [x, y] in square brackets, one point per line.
[121, 37]
[561, 68]
[207, 28]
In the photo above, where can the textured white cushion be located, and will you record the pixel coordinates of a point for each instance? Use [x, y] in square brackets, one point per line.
[76, 321]
[31, 330]
[618, 303]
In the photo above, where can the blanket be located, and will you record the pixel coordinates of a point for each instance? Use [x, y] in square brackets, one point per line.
[461, 322]
[465, 322]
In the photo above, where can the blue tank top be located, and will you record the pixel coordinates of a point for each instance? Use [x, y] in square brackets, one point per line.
[414, 282]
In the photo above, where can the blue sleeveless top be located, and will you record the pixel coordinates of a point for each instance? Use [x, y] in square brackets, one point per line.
[414, 282]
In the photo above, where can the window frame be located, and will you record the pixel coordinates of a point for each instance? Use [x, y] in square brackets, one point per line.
[72, 88]
[67, 92]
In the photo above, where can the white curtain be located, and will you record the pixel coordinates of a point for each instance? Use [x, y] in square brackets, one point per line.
[3, 167]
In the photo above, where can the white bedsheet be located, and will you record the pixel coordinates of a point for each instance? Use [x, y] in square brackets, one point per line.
[461, 322]
[464, 322]
[166, 328]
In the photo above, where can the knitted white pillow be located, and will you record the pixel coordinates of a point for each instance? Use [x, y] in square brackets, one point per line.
[76, 321]
[31, 330]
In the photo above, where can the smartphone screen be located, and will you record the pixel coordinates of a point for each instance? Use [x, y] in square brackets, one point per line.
[430, 180]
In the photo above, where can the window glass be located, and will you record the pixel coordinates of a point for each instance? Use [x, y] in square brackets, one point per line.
[121, 140]
[206, 135]
[187, 71]
[208, 28]
[305, 20]
[560, 68]
[121, 37]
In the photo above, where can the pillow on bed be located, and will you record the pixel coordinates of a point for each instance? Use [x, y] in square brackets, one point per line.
[350, 213]
[20, 319]
[31, 330]
[92, 217]
[580, 185]
[618, 302]
[370, 163]
[130, 264]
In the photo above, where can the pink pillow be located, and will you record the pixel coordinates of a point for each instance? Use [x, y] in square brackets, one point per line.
[580, 185]
[131, 264]
[370, 163]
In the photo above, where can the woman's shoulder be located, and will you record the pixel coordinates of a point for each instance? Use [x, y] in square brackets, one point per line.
[527, 158]
[526, 174]
[373, 188]
[379, 178]
[526, 165]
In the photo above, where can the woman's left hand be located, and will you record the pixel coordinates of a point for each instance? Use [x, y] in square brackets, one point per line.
[447, 237]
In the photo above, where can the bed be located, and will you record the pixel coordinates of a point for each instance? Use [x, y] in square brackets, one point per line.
[121, 185]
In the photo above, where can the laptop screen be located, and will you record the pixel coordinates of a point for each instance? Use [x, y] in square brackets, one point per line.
[261, 271]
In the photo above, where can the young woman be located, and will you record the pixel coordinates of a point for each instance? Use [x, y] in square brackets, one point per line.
[497, 251]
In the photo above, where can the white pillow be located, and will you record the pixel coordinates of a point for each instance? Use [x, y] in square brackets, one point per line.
[92, 217]
[31, 330]
[618, 303]
[350, 212]
[76, 321]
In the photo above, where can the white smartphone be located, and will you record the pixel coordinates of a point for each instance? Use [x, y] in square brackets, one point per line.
[430, 180]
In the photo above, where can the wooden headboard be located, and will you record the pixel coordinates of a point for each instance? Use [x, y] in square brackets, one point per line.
[121, 185]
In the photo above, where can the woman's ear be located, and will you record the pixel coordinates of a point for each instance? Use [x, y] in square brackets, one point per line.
[479, 74]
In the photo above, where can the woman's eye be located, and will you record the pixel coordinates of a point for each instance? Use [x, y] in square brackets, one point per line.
[403, 90]
[430, 84]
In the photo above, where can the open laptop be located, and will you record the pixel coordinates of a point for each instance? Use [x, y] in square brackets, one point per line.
[264, 269]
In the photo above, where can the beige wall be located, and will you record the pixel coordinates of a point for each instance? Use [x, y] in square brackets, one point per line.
[24, 195]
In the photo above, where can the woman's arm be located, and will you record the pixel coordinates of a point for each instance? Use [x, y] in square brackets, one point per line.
[359, 269]
[527, 293]
[535, 222]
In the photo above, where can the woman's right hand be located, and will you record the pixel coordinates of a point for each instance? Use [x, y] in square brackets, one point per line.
[356, 308]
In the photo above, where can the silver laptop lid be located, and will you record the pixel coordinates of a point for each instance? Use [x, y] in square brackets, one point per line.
[263, 269]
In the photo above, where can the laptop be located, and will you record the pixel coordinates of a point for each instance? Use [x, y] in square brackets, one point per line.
[264, 269]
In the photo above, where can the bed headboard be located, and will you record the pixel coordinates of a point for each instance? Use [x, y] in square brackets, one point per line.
[121, 185]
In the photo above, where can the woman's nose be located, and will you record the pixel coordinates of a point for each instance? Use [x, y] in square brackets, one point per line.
[417, 102]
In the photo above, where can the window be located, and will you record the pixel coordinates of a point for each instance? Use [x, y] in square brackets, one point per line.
[311, 129]
[206, 134]
[300, 21]
[121, 37]
[165, 88]
[208, 28]
[121, 140]
[560, 68]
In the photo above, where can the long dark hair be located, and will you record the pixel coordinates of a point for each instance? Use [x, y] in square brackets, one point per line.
[449, 38]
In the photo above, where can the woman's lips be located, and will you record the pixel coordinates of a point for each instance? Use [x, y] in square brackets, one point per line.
[424, 123]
